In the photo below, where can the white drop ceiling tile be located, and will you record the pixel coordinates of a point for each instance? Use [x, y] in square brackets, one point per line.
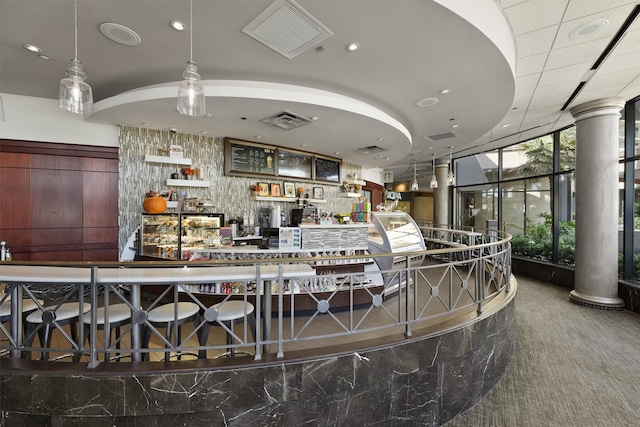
[605, 79]
[615, 17]
[585, 52]
[579, 8]
[527, 82]
[614, 64]
[514, 117]
[535, 42]
[590, 94]
[523, 96]
[548, 102]
[530, 65]
[572, 73]
[559, 89]
[630, 42]
[533, 15]
[631, 90]
[509, 3]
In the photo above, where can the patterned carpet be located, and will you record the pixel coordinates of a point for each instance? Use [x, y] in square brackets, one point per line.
[573, 366]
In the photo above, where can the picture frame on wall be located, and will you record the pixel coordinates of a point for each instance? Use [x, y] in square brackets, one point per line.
[318, 193]
[263, 189]
[275, 190]
[289, 189]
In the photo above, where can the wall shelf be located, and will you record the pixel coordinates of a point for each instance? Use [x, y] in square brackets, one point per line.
[167, 160]
[356, 182]
[353, 195]
[287, 199]
[188, 183]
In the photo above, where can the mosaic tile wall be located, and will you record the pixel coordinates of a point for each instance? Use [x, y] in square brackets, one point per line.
[229, 195]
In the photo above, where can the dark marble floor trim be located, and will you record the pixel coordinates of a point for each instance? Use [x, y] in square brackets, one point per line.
[424, 380]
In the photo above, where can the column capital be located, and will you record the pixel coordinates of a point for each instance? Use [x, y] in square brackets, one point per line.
[598, 107]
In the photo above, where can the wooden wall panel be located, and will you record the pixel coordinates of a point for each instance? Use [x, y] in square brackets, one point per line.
[15, 160]
[15, 198]
[99, 204]
[42, 201]
[56, 198]
[39, 161]
[100, 235]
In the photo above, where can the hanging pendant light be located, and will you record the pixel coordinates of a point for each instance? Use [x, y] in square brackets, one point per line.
[191, 91]
[434, 181]
[414, 184]
[451, 178]
[75, 94]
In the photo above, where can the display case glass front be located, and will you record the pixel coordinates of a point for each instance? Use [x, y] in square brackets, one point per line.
[199, 231]
[159, 235]
[396, 232]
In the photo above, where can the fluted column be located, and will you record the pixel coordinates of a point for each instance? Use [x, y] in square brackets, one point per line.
[441, 194]
[596, 252]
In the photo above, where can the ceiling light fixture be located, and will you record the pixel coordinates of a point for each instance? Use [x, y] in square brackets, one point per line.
[352, 47]
[434, 181]
[451, 178]
[178, 25]
[75, 95]
[191, 101]
[414, 184]
[32, 48]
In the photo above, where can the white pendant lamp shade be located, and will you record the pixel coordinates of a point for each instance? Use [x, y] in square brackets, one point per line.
[434, 181]
[191, 92]
[75, 94]
[414, 184]
[191, 101]
[451, 178]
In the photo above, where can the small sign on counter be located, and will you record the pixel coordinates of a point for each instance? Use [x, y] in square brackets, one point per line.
[290, 238]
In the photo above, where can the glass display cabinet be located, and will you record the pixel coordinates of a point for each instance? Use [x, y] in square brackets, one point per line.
[159, 235]
[394, 232]
[199, 231]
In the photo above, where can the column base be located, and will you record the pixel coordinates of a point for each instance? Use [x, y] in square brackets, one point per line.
[601, 303]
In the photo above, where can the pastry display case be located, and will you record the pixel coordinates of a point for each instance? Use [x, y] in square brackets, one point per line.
[199, 231]
[394, 232]
[159, 236]
[176, 236]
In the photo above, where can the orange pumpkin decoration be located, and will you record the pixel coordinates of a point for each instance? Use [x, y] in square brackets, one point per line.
[155, 205]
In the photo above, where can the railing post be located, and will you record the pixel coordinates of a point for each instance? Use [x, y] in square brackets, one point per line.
[136, 322]
[407, 280]
[93, 357]
[259, 285]
[280, 313]
[479, 283]
[16, 318]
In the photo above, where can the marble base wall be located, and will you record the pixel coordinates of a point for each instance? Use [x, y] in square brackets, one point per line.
[422, 381]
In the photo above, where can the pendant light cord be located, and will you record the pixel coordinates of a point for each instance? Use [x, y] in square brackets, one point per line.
[190, 30]
[75, 7]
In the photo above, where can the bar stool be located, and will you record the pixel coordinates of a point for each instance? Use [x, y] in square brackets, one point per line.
[66, 314]
[164, 317]
[118, 316]
[28, 306]
[227, 313]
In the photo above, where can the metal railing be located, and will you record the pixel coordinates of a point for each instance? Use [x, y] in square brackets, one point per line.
[295, 306]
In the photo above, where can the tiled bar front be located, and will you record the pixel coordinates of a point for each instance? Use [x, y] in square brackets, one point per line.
[423, 380]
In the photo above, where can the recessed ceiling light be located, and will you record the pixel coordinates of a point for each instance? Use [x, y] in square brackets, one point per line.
[506, 125]
[454, 126]
[427, 102]
[352, 47]
[45, 57]
[315, 118]
[208, 115]
[145, 124]
[589, 28]
[444, 91]
[303, 145]
[204, 132]
[337, 152]
[380, 139]
[120, 34]
[178, 25]
[32, 48]
[258, 136]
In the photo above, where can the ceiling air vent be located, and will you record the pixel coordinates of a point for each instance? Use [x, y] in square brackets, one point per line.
[372, 149]
[287, 120]
[287, 28]
[441, 136]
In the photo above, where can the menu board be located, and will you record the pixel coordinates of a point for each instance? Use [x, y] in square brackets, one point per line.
[327, 170]
[295, 165]
[251, 159]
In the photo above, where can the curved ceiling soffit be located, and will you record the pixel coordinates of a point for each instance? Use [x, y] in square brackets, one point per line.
[255, 90]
